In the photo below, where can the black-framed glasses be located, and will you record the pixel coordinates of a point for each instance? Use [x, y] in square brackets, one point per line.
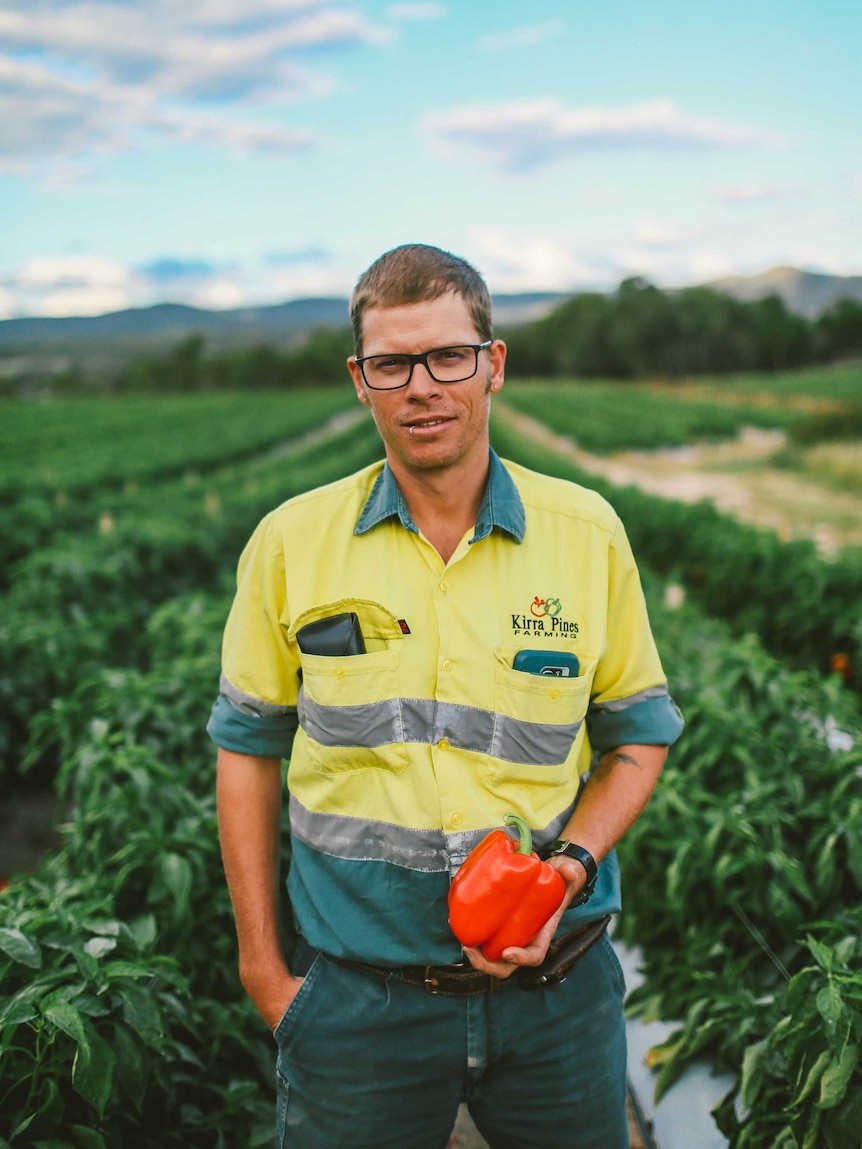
[444, 364]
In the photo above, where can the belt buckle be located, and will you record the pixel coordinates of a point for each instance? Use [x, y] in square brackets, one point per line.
[431, 983]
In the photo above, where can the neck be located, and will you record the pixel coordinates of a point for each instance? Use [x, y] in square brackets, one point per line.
[444, 503]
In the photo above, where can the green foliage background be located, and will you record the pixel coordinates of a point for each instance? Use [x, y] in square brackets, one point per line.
[122, 1021]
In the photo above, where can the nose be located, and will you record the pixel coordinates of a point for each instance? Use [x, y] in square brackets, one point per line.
[422, 382]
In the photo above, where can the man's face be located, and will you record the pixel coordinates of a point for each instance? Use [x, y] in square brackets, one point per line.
[429, 426]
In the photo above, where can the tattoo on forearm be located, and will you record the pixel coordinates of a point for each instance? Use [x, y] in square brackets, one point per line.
[609, 761]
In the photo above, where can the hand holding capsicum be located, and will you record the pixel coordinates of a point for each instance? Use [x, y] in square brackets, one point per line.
[503, 895]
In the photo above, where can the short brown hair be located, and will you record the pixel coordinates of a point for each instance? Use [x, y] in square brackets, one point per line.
[416, 273]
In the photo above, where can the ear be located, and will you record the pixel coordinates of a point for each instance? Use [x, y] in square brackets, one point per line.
[358, 382]
[498, 364]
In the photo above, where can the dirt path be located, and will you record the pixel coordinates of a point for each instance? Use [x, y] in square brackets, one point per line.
[757, 493]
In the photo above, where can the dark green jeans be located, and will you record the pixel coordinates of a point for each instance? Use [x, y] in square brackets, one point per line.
[366, 1062]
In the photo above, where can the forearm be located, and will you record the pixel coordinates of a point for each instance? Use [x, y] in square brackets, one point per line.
[249, 817]
[614, 797]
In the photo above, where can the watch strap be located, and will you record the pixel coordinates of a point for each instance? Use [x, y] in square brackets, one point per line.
[570, 850]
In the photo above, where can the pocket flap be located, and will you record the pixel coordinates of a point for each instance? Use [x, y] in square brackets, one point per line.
[378, 625]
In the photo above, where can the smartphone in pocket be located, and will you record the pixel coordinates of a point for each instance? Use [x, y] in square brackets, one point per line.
[555, 664]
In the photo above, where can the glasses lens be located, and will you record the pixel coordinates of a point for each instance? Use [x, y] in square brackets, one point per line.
[385, 371]
[449, 364]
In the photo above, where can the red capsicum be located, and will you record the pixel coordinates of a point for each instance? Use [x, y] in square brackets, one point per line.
[503, 894]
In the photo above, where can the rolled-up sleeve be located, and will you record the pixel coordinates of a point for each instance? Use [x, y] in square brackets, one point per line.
[630, 703]
[256, 709]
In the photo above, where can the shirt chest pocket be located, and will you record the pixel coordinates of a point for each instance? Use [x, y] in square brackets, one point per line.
[349, 705]
[538, 717]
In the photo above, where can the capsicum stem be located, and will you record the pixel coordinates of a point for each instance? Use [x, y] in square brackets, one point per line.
[525, 836]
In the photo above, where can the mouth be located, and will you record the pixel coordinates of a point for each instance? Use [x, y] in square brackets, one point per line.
[428, 426]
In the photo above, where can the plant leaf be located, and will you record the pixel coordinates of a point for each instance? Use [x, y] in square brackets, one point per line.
[132, 1065]
[814, 1074]
[754, 1071]
[66, 1018]
[20, 948]
[88, 1138]
[93, 1070]
[177, 875]
[831, 1007]
[99, 946]
[833, 1083]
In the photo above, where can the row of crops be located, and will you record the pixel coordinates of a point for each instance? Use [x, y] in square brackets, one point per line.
[122, 1022]
[604, 417]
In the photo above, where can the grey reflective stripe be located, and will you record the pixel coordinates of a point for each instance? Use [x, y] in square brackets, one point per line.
[369, 840]
[372, 724]
[424, 720]
[632, 700]
[248, 704]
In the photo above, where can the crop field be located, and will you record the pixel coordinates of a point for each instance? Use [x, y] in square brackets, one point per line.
[81, 442]
[118, 986]
[605, 417]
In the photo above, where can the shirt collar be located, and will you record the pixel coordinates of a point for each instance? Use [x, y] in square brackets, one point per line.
[501, 505]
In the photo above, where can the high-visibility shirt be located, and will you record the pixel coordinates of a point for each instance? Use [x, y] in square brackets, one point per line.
[405, 756]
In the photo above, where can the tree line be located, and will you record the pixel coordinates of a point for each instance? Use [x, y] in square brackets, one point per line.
[636, 332]
[643, 331]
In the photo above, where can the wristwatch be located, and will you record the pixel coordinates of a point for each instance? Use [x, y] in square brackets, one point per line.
[564, 846]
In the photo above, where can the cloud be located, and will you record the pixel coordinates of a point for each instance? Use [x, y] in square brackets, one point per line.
[521, 37]
[69, 285]
[85, 77]
[661, 236]
[520, 262]
[416, 11]
[533, 133]
[51, 116]
[747, 193]
[89, 284]
[72, 271]
[7, 303]
[218, 295]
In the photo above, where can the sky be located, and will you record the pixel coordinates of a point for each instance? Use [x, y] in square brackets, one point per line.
[224, 153]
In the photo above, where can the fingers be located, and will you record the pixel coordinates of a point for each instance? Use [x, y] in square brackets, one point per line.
[535, 952]
[500, 969]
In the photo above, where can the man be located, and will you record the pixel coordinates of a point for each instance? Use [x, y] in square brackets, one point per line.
[409, 752]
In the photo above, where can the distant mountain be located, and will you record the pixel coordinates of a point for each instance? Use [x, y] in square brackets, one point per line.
[143, 328]
[101, 343]
[147, 328]
[805, 292]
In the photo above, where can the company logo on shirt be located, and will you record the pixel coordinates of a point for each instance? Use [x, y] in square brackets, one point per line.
[544, 617]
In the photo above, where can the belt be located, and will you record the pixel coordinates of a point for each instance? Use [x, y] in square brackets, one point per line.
[463, 981]
[446, 980]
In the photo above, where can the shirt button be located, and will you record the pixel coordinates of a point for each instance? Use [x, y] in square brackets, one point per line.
[444, 586]
[443, 744]
[447, 664]
[553, 694]
[456, 819]
[339, 673]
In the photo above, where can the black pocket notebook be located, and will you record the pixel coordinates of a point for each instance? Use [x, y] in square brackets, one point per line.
[337, 635]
